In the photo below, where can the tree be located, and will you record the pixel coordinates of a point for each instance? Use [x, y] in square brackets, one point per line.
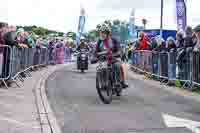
[116, 22]
[72, 35]
[93, 35]
[119, 30]
[98, 27]
[60, 33]
[40, 31]
[108, 22]
[144, 22]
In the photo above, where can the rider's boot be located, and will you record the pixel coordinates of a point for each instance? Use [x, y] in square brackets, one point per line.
[124, 84]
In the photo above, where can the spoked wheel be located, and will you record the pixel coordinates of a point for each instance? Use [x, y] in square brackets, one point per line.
[104, 88]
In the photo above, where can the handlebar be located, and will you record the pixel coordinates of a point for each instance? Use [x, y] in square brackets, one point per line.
[102, 53]
[105, 53]
[77, 52]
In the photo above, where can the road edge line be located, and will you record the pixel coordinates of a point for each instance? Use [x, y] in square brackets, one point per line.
[47, 119]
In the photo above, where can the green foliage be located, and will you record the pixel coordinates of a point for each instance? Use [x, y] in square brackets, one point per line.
[178, 83]
[144, 22]
[93, 35]
[72, 35]
[116, 22]
[98, 27]
[119, 30]
[40, 30]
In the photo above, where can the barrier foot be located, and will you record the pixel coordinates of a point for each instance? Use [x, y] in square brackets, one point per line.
[16, 83]
[170, 82]
[28, 73]
[191, 87]
[187, 83]
[183, 87]
[162, 81]
[4, 82]
[20, 78]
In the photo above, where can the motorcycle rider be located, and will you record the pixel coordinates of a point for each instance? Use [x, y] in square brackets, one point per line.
[106, 43]
[83, 46]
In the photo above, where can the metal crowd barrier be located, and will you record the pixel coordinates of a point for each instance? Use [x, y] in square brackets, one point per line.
[196, 68]
[59, 55]
[164, 65]
[5, 63]
[17, 61]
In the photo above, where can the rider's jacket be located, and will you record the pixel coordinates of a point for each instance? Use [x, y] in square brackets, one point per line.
[111, 44]
[83, 46]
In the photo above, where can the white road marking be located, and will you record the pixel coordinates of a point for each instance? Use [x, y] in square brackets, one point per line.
[17, 122]
[172, 121]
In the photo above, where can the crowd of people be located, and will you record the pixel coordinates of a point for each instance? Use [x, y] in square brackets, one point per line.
[11, 36]
[185, 41]
[21, 39]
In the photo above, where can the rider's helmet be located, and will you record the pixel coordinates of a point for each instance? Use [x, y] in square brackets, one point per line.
[105, 29]
[197, 28]
[82, 38]
[82, 42]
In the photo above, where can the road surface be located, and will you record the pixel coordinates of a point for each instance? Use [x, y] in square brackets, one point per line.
[143, 108]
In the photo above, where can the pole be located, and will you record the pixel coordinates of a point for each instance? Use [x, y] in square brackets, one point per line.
[161, 19]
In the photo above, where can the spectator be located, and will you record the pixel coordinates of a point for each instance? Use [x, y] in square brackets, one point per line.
[171, 45]
[45, 43]
[179, 40]
[144, 41]
[153, 43]
[10, 37]
[187, 47]
[39, 43]
[188, 40]
[59, 44]
[194, 38]
[137, 45]
[130, 49]
[21, 39]
[2, 29]
[160, 45]
[9, 40]
[29, 40]
[180, 48]
[197, 33]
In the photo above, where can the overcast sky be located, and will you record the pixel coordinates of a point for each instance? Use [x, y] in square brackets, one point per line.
[63, 15]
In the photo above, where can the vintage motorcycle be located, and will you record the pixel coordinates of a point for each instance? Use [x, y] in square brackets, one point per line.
[106, 81]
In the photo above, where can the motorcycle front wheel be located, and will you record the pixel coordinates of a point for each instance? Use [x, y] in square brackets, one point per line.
[104, 88]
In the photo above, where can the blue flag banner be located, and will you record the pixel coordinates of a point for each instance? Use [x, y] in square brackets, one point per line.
[181, 14]
[81, 25]
[132, 25]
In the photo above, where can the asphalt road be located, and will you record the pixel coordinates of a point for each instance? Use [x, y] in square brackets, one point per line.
[78, 108]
